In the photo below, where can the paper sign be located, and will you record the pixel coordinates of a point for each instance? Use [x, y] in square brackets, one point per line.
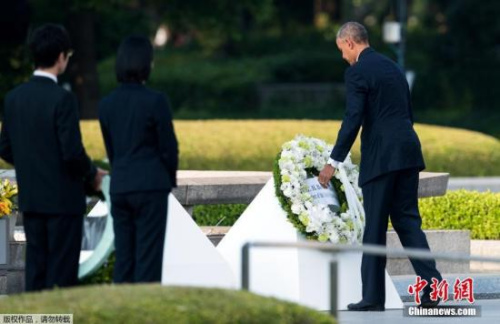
[325, 196]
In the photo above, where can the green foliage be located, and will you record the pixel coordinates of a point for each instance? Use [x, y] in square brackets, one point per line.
[15, 70]
[215, 24]
[113, 23]
[104, 275]
[456, 65]
[112, 20]
[200, 86]
[218, 215]
[478, 212]
[157, 304]
[14, 65]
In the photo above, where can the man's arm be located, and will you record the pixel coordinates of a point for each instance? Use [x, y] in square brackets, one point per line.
[70, 139]
[166, 138]
[356, 94]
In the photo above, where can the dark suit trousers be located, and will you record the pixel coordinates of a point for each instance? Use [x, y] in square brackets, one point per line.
[394, 194]
[139, 222]
[52, 250]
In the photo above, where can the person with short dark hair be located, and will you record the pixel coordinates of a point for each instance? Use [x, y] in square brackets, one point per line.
[136, 124]
[47, 43]
[41, 138]
[378, 98]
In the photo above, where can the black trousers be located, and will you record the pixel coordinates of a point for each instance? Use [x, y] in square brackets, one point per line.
[139, 222]
[394, 194]
[52, 250]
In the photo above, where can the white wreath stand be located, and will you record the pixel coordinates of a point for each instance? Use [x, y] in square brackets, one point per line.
[297, 275]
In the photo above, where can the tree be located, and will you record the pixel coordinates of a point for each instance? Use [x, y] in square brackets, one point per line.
[215, 24]
[14, 66]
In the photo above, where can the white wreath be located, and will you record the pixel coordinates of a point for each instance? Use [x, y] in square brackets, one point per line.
[318, 220]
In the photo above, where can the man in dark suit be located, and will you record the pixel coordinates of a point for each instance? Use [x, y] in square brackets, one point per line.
[378, 98]
[41, 138]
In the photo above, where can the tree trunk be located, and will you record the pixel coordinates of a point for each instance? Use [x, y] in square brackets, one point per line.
[83, 65]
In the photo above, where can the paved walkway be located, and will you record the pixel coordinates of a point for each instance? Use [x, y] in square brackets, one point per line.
[486, 292]
[490, 314]
[475, 183]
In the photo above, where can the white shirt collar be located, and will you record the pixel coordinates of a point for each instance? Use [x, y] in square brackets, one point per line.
[45, 74]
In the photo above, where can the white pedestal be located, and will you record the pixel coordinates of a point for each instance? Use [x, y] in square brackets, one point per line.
[189, 258]
[300, 276]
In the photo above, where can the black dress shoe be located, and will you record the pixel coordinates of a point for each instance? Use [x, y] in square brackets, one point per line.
[427, 302]
[363, 306]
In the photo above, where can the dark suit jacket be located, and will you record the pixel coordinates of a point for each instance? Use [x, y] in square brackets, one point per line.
[136, 124]
[378, 98]
[41, 138]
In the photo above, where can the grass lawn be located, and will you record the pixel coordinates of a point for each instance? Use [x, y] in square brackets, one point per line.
[152, 303]
[253, 145]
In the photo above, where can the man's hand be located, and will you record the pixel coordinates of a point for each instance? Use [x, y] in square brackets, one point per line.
[325, 175]
[98, 178]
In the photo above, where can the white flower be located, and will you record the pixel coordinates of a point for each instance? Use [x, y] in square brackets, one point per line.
[297, 208]
[334, 237]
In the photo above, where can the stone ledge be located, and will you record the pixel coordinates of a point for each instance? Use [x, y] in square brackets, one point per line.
[490, 248]
[241, 187]
[12, 274]
[453, 241]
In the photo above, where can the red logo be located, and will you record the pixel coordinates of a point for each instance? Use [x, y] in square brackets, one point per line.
[462, 289]
[439, 290]
[417, 288]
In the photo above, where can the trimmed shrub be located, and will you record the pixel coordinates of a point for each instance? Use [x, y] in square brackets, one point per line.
[202, 87]
[157, 304]
[478, 212]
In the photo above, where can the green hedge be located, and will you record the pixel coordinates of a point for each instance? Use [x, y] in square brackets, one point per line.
[202, 87]
[156, 304]
[478, 212]
[225, 86]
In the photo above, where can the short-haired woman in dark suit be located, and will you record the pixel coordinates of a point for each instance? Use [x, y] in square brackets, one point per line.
[136, 124]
